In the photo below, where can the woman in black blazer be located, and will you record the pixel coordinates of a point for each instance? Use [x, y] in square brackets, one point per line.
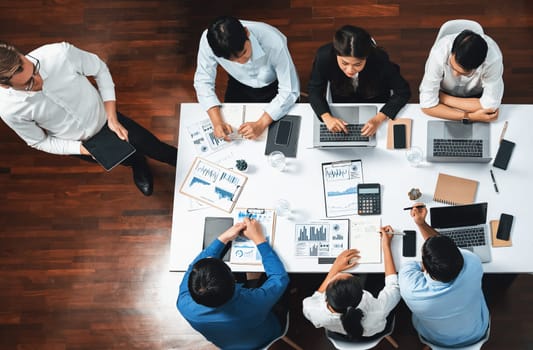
[358, 72]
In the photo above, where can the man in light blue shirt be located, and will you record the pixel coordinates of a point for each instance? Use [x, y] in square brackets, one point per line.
[260, 69]
[444, 291]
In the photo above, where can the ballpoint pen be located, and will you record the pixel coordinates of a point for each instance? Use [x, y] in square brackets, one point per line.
[415, 206]
[494, 181]
[394, 233]
[503, 133]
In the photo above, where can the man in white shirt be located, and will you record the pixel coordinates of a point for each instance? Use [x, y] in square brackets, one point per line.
[48, 101]
[463, 78]
[256, 57]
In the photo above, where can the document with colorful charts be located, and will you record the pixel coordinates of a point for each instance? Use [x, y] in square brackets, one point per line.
[364, 236]
[340, 180]
[213, 184]
[322, 239]
[203, 138]
[243, 250]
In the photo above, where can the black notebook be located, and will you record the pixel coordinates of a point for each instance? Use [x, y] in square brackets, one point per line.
[283, 136]
[107, 149]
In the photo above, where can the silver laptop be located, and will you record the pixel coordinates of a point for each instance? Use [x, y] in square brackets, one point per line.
[356, 117]
[450, 141]
[466, 225]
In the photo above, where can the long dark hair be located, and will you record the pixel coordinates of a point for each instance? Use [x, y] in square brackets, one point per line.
[352, 41]
[343, 296]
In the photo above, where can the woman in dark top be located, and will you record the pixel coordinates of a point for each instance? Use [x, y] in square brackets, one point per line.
[358, 72]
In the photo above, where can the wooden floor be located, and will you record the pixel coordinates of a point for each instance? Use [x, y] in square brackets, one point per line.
[84, 256]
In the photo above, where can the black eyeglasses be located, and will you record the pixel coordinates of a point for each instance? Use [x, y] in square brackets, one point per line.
[36, 67]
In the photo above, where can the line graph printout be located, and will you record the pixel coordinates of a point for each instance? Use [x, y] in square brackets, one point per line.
[325, 238]
[212, 184]
[340, 180]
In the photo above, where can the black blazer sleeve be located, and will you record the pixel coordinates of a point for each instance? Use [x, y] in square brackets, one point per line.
[401, 91]
[318, 83]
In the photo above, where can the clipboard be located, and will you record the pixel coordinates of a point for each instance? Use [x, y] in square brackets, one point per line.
[340, 180]
[243, 250]
[213, 184]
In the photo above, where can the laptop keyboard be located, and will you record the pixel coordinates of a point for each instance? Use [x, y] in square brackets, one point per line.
[467, 237]
[354, 134]
[457, 148]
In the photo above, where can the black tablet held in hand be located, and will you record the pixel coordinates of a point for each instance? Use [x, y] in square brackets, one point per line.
[504, 154]
[107, 149]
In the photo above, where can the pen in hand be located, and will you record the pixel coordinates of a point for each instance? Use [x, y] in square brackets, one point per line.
[394, 233]
[415, 206]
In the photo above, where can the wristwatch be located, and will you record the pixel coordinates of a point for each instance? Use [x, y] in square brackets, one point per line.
[466, 120]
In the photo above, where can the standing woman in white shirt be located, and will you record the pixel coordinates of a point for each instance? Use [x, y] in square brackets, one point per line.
[341, 305]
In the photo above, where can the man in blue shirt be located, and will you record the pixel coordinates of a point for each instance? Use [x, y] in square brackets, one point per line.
[260, 68]
[444, 291]
[226, 313]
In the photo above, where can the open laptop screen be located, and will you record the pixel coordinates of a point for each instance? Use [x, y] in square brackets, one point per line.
[458, 215]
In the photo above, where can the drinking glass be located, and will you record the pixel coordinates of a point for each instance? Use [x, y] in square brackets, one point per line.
[414, 156]
[282, 207]
[277, 160]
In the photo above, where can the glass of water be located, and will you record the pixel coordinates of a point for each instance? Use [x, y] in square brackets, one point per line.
[277, 160]
[414, 156]
[282, 207]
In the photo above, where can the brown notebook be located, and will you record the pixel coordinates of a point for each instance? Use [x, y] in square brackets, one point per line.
[495, 241]
[455, 190]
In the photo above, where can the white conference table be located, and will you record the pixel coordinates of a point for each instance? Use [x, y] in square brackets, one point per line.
[301, 185]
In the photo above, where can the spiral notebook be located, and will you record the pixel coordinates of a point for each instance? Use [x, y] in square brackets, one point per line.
[455, 190]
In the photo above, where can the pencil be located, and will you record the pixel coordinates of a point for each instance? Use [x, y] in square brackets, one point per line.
[416, 206]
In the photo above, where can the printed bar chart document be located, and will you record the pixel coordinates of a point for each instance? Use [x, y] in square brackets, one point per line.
[323, 239]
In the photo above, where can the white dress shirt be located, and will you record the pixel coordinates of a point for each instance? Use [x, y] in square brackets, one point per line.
[68, 109]
[270, 60]
[375, 311]
[486, 79]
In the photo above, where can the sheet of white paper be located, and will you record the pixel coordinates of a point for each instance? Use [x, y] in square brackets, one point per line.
[364, 236]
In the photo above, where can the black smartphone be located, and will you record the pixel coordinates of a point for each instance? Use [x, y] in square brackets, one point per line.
[409, 243]
[213, 227]
[284, 132]
[399, 136]
[504, 227]
[504, 154]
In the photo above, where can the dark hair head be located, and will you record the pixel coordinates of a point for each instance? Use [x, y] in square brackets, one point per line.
[442, 259]
[211, 282]
[350, 41]
[343, 296]
[226, 37]
[10, 62]
[470, 49]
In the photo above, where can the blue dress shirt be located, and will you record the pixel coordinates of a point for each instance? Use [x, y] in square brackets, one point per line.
[447, 314]
[270, 60]
[246, 321]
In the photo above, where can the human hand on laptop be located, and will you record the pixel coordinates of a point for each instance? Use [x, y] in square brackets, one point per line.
[371, 127]
[334, 124]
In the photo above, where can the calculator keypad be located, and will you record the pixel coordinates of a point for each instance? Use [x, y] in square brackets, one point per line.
[369, 204]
